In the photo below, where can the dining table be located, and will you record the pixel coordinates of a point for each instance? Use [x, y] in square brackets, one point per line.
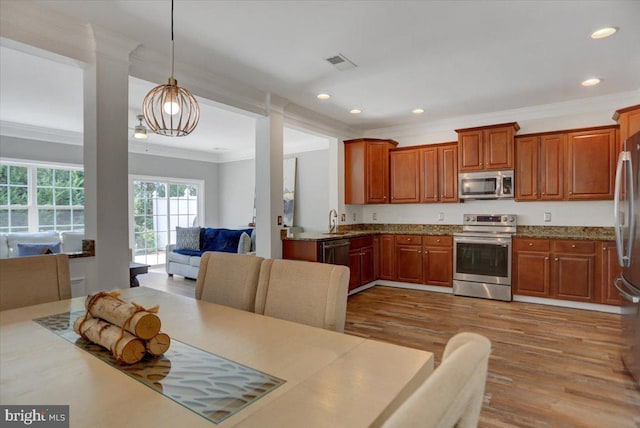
[225, 367]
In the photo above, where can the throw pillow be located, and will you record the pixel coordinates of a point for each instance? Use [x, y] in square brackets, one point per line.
[253, 240]
[222, 240]
[31, 249]
[187, 238]
[244, 244]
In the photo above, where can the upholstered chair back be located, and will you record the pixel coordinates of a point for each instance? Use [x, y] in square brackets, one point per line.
[452, 395]
[228, 279]
[308, 293]
[32, 280]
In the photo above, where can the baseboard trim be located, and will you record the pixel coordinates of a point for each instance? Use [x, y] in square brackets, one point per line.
[516, 298]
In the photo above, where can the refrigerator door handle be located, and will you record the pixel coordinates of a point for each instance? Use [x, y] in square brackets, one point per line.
[623, 260]
[632, 210]
[632, 298]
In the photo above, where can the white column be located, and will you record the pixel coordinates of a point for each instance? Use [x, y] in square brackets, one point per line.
[106, 100]
[269, 202]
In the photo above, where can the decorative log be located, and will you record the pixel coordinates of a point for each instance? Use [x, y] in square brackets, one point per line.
[109, 307]
[158, 344]
[128, 349]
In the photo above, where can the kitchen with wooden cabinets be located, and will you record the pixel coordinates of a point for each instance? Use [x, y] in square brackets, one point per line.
[562, 263]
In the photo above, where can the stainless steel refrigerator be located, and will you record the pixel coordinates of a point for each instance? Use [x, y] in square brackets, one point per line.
[627, 227]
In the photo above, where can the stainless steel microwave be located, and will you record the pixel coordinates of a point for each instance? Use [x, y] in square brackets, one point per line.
[486, 184]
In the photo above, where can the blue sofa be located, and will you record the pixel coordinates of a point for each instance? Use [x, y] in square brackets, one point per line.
[186, 262]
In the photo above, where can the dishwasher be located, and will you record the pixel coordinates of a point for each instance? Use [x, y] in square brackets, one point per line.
[336, 252]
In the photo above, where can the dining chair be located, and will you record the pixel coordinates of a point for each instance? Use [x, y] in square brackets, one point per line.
[228, 279]
[451, 396]
[32, 280]
[305, 292]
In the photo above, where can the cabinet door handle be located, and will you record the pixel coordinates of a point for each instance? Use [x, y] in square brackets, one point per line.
[547, 258]
[573, 245]
[543, 193]
[556, 259]
[437, 240]
[531, 244]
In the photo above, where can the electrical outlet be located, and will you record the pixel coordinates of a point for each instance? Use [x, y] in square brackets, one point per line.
[343, 217]
[374, 216]
[354, 217]
[547, 216]
[440, 216]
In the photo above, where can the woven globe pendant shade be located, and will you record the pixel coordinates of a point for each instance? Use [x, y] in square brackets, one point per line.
[171, 110]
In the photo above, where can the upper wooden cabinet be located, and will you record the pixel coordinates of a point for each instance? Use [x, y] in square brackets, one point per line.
[486, 148]
[566, 165]
[424, 174]
[591, 164]
[404, 175]
[366, 170]
[539, 170]
[629, 121]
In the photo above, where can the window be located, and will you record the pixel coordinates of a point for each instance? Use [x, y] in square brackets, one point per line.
[159, 206]
[37, 197]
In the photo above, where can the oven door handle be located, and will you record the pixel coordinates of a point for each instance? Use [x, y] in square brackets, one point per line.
[505, 242]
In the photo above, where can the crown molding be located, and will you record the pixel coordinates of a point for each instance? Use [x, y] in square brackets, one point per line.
[573, 107]
[153, 67]
[309, 120]
[34, 25]
[39, 133]
[111, 44]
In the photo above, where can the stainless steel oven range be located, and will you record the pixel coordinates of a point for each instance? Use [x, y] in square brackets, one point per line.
[482, 256]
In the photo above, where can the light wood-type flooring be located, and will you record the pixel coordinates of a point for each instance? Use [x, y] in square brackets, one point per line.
[549, 367]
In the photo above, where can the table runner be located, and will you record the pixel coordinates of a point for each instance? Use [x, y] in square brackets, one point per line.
[207, 384]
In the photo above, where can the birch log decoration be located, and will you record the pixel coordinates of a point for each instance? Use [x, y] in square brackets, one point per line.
[123, 345]
[158, 344]
[135, 319]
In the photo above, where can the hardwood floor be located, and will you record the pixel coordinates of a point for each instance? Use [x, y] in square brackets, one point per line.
[550, 366]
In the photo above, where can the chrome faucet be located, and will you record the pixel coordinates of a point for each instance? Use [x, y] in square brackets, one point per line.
[333, 221]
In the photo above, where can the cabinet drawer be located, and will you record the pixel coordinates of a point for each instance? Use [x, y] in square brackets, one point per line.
[525, 244]
[357, 243]
[409, 239]
[437, 241]
[582, 247]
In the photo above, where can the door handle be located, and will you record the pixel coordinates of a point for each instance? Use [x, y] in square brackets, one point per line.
[627, 296]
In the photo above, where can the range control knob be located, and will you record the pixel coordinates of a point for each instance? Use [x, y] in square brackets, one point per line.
[507, 219]
[467, 218]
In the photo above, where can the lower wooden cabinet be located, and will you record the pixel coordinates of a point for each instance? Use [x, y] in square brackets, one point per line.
[577, 270]
[409, 258]
[361, 261]
[387, 257]
[437, 260]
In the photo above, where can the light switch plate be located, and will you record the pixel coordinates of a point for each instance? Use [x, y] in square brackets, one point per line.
[343, 217]
[374, 216]
[440, 216]
[547, 216]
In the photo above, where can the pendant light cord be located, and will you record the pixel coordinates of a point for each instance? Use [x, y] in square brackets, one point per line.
[172, 60]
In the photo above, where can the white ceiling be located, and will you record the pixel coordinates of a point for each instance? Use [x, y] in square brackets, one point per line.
[451, 58]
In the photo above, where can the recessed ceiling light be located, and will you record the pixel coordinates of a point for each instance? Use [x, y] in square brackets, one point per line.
[591, 82]
[603, 32]
[323, 96]
[355, 111]
[417, 111]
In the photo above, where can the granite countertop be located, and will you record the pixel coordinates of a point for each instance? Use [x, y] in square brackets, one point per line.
[542, 232]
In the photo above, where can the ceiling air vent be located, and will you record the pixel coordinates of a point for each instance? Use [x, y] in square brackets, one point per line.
[341, 62]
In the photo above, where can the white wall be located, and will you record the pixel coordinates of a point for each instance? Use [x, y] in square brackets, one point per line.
[311, 209]
[43, 151]
[237, 184]
[236, 191]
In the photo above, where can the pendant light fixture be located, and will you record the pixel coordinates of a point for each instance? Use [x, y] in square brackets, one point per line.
[140, 133]
[169, 109]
